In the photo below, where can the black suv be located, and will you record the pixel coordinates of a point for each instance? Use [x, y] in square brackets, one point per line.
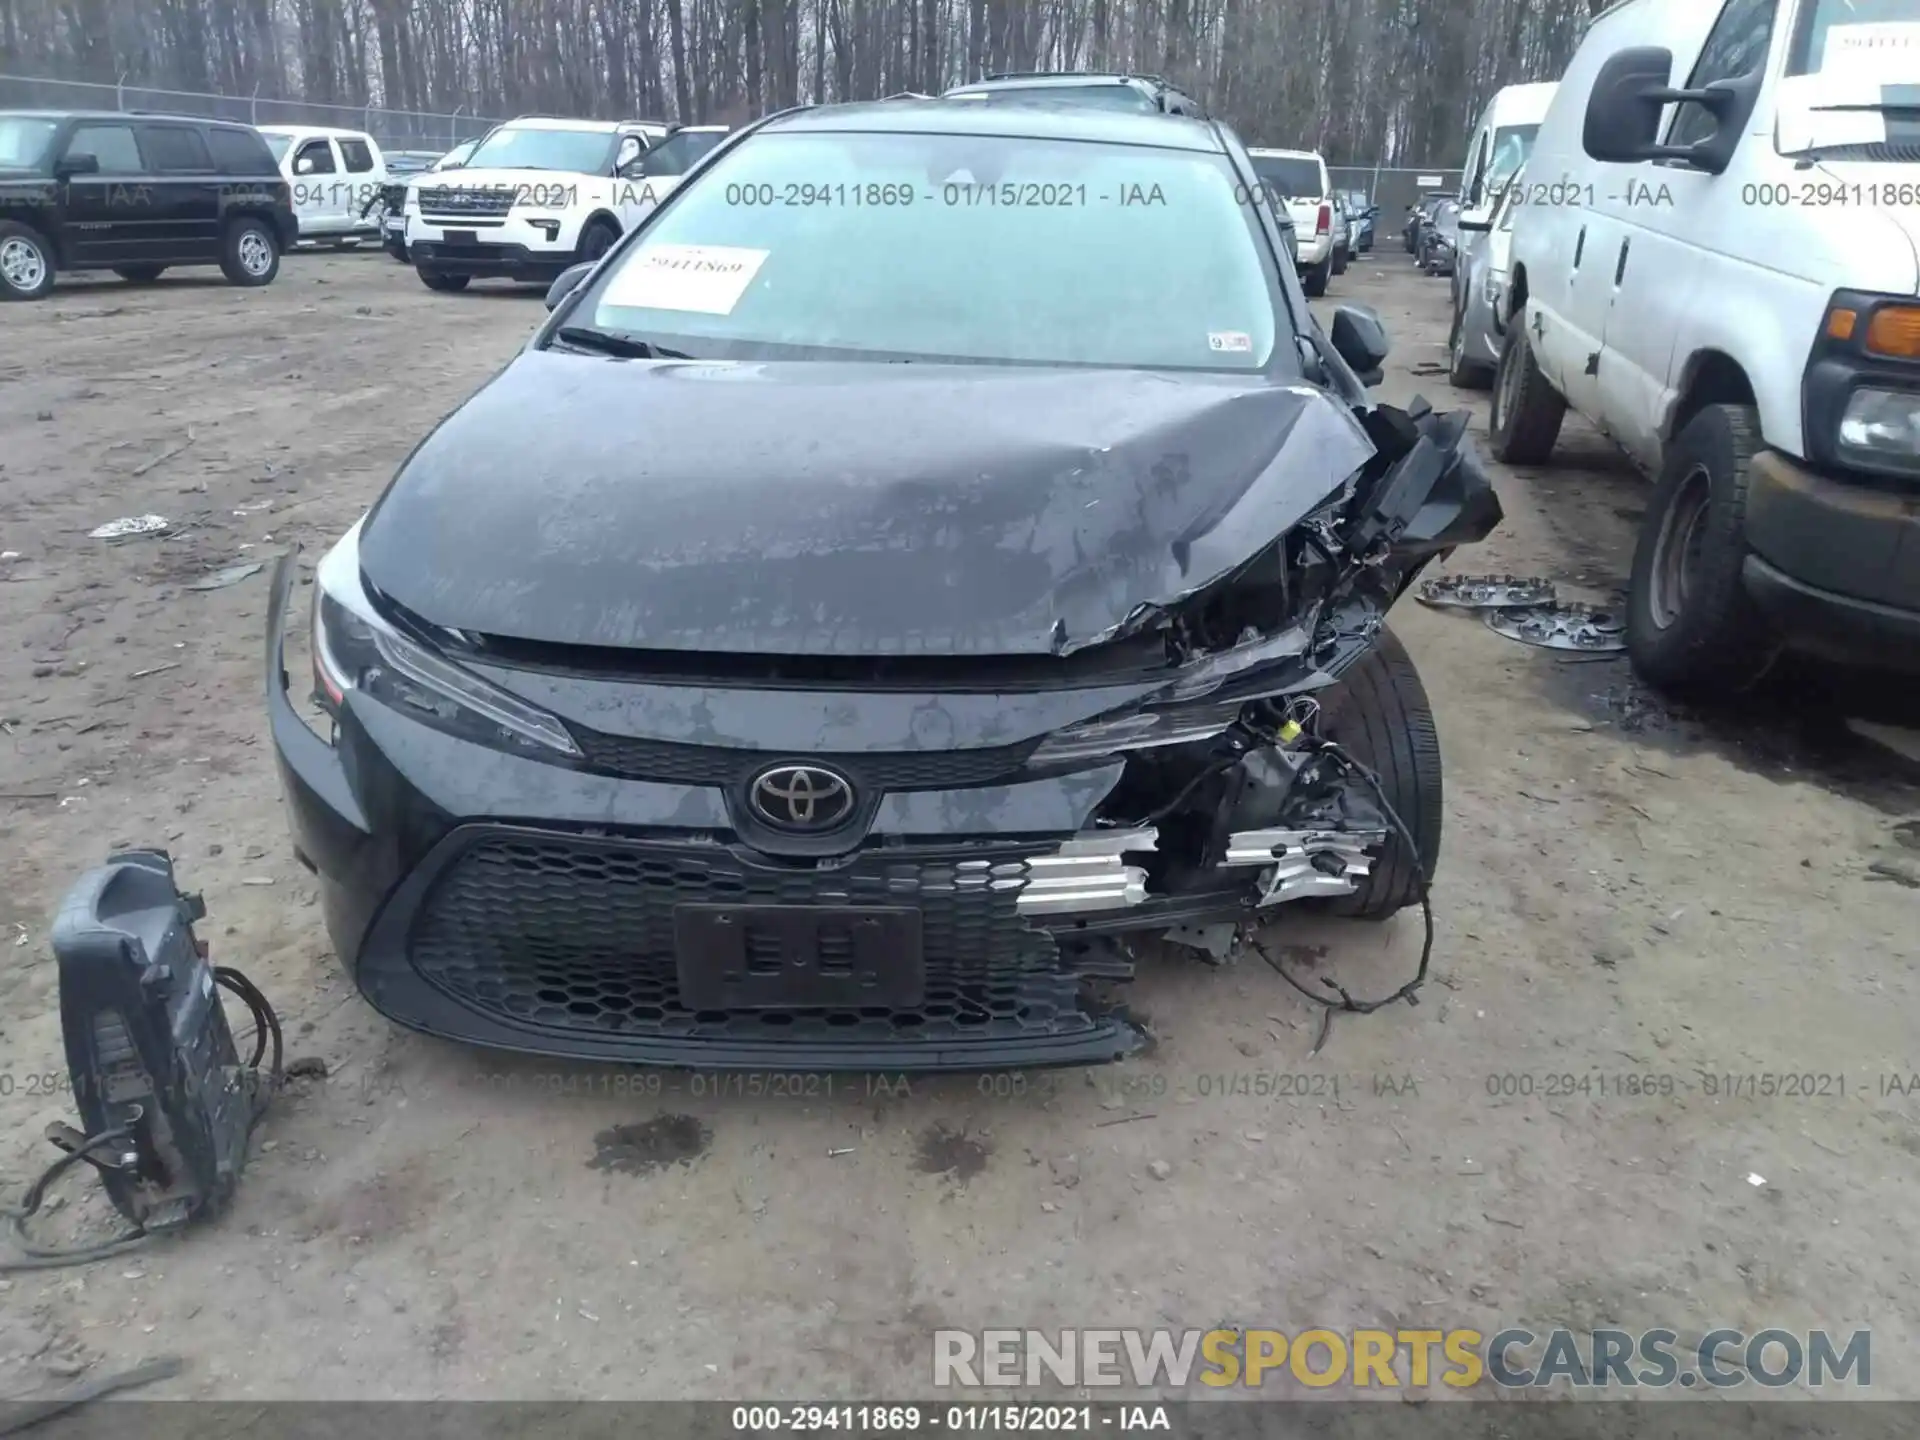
[136, 193]
[1081, 87]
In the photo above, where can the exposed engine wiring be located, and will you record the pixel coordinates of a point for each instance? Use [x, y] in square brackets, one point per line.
[1409, 992]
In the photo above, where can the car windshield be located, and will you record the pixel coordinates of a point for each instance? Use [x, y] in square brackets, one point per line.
[455, 158]
[677, 154]
[278, 144]
[1292, 176]
[1107, 97]
[992, 249]
[23, 140]
[1835, 33]
[586, 152]
[1511, 146]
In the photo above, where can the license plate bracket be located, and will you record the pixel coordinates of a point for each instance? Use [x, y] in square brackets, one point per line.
[790, 957]
[462, 237]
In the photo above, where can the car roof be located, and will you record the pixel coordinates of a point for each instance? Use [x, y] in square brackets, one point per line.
[556, 122]
[1522, 104]
[1026, 122]
[123, 115]
[1272, 154]
[1053, 80]
[313, 130]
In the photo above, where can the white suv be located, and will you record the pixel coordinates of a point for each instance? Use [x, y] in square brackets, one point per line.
[1299, 179]
[535, 196]
[1717, 261]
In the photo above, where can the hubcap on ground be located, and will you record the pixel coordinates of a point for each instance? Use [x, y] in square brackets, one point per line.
[1676, 554]
[22, 263]
[255, 254]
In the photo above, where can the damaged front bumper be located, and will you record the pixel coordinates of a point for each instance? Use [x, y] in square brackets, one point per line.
[630, 903]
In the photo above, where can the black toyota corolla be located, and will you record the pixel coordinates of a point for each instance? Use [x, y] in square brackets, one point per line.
[934, 549]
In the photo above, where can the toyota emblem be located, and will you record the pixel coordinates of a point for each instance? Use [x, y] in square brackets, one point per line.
[801, 797]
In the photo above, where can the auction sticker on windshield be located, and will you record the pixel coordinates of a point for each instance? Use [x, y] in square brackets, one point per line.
[1236, 342]
[709, 279]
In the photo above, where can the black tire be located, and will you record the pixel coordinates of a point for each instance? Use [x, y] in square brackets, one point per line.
[1692, 629]
[250, 252]
[1340, 262]
[26, 263]
[139, 274]
[1379, 713]
[1527, 410]
[596, 240]
[1462, 373]
[398, 250]
[1315, 280]
[442, 281]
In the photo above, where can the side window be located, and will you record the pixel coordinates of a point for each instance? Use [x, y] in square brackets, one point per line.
[239, 152]
[1736, 46]
[176, 149]
[112, 145]
[1477, 170]
[358, 155]
[317, 158]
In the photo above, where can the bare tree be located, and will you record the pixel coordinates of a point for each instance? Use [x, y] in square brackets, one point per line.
[1365, 81]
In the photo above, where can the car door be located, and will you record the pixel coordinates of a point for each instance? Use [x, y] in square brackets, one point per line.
[314, 167]
[186, 190]
[1669, 215]
[109, 209]
[364, 172]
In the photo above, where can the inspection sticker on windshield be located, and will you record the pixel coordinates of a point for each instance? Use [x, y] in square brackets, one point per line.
[1232, 342]
[709, 279]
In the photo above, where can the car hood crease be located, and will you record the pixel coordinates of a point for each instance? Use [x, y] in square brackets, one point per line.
[828, 508]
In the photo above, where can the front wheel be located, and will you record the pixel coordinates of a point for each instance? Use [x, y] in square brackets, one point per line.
[440, 280]
[1379, 713]
[1691, 626]
[596, 240]
[1462, 373]
[26, 263]
[1527, 410]
[1315, 280]
[251, 253]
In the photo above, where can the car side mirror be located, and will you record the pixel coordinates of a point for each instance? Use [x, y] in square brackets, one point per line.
[1361, 340]
[1622, 125]
[566, 282]
[303, 167]
[1476, 225]
[77, 165]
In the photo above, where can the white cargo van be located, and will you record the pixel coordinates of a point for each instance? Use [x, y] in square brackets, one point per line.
[1716, 260]
[1500, 145]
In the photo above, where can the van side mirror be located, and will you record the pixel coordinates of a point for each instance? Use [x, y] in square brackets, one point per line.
[1622, 125]
[566, 282]
[1361, 340]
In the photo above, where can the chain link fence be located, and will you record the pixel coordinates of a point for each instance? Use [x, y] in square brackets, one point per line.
[393, 129]
[1395, 189]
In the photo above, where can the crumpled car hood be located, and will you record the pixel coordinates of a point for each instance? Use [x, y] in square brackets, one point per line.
[807, 508]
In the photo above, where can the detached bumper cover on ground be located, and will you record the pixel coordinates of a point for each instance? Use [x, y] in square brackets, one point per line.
[797, 797]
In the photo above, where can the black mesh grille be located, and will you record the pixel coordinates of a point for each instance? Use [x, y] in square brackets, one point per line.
[669, 763]
[453, 200]
[576, 933]
[394, 196]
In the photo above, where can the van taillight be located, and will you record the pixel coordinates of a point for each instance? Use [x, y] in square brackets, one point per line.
[1325, 222]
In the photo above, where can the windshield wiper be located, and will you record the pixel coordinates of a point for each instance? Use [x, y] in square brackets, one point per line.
[1884, 107]
[606, 342]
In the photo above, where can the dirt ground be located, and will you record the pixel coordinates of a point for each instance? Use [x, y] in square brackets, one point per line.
[1624, 891]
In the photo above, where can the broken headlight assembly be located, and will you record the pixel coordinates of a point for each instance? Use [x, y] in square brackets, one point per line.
[356, 649]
